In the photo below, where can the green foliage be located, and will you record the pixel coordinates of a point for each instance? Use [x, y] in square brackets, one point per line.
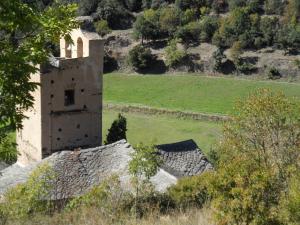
[274, 74]
[140, 57]
[102, 28]
[218, 57]
[25, 33]
[117, 131]
[188, 16]
[208, 26]
[189, 33]
[290, 204]
[169, 19]
[8, 148]
[269, 27]
[108, 197]
[145, 161]
[262, 140]
[115, 13]
[274, 6]
[288, 38]
[173, 55]
[147, 26]
[231, 28]
[28, 199]
[190, 191]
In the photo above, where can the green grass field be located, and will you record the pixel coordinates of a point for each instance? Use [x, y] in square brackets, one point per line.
[215, 95]
[161, 129]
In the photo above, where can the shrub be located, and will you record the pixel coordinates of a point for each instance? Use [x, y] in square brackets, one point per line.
[269, 27]
[8, 148]
[169, 19]
[290, 205]
[254, 168]
[115, 13]
[274, 74]
[174, 55]
[190, 33]
[288, 38]
[117, 131]
[188, 16]
[208, 26]
[190, 191]
[147, 26]
[232, 27]
[218, 57]
[28, 199]
[102, 28]
[140, 57]
[274, 6]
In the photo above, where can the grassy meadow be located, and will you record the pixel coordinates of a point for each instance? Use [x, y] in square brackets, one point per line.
[213, 95]
[161, 129]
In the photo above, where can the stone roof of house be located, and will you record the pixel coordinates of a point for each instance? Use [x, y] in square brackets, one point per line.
[78, 171]
[183, 159]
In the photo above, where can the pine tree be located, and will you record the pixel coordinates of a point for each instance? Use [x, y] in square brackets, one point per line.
[117, 131]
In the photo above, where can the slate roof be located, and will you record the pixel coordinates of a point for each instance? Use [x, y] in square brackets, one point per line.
[78, 171]
[183, 159]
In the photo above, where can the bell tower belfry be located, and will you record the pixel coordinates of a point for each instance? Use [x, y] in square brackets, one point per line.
[67, 112]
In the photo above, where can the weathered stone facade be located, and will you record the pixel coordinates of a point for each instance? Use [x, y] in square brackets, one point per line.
[67, 111]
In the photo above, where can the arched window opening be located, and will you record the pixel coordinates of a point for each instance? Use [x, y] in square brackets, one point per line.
[68, 49]
[79, 48]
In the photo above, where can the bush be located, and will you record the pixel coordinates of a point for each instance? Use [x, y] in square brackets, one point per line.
[274, 74]
[102, 27]
[173, 55]
[288, 38]
[115, 13]
[190, 191]
[147, 26]
[218, 57]
[8, 148]
[28, 199]
[274, 6]
[169, 20]
[140, 57]
[117, 131]
[208, 26]
[232, 27]
[190, 33]
[254, 169]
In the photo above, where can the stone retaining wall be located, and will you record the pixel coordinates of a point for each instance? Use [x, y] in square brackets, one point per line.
[156, 111]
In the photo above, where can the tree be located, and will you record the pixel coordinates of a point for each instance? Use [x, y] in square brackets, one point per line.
[115, 13]
[169, 20]
[174, 55]
[218, 57]
[117, 131]
[274, 6]
[189, 33]
[288, 38]
[147, 27]
[144, 164]
[259, 154]
[102, 28]
[140, 57]
[25, 34]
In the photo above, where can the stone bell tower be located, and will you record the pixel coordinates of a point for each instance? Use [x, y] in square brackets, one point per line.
[67, 112]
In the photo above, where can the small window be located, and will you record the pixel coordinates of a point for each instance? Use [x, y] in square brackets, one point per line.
[69, 97]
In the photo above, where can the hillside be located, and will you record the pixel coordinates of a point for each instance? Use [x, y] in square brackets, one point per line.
[254, 37]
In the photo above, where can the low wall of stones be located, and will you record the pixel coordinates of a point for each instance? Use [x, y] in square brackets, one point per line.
[166, 112]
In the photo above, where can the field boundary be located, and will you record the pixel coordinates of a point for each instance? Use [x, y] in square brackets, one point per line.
[160, 111]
